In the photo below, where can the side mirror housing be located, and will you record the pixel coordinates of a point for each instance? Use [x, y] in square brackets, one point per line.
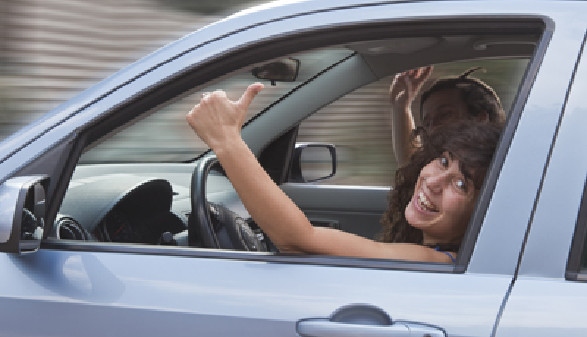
[22, 213]
[313, 162]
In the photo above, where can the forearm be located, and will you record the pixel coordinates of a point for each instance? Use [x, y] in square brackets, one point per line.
[402, 126]
[270, 207]
[403, 91]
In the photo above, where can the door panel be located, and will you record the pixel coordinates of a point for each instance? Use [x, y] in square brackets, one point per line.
[356, 209]
[543, 302]
[99, 294]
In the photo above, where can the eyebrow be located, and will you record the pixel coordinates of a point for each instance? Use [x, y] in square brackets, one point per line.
[462, 167]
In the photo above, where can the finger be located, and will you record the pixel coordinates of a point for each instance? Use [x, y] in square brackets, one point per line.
[409, 73]
[395, 90]
[396, 83]
[393, 87]
[423, 76]
[191, 115]
[419, 72]
[427, 71]
[249, 94]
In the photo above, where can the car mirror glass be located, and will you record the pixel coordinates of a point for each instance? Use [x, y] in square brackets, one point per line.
[285, 70]
[313, 162]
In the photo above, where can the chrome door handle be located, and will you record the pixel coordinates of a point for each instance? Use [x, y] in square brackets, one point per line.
[364, 320]
[326, 328]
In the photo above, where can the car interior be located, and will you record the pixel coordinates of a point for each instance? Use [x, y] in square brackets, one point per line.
[320, 129]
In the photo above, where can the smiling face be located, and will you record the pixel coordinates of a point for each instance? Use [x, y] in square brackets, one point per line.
[443, 106]
[443, 201]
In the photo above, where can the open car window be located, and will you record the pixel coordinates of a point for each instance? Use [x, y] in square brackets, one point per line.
[133, 184]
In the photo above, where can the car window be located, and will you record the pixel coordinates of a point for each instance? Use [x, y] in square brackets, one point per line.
[134, 183]
[359, 123]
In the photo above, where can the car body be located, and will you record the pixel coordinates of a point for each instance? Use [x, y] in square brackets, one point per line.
[521, 270]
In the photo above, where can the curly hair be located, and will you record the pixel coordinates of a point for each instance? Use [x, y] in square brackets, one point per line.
[477, 95]
[471, 143]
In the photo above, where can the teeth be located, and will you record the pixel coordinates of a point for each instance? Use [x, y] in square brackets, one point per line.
[424, 203]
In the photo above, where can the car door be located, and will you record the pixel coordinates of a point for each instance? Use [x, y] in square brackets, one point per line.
[547, 298]
[73, 288]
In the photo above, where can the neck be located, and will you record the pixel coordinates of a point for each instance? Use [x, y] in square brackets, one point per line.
[430, 240]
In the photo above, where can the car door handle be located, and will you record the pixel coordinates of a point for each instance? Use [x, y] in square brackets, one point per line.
[364, 320]
[326, 328]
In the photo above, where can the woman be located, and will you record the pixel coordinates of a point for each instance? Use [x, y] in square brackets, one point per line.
[442, 197]
[448, 99]
[414, 201]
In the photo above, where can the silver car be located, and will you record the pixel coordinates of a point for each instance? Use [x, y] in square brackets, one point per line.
[116, 220]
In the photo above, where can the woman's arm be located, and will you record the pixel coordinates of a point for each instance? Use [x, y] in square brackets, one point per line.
[218, 121]
[402, 93]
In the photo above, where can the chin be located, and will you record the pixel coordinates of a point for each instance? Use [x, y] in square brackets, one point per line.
[411, 215]
[415, 218]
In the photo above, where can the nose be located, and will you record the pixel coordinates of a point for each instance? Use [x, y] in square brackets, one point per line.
[437, 182]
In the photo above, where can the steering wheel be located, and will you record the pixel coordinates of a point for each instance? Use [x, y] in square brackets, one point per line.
[213, 225]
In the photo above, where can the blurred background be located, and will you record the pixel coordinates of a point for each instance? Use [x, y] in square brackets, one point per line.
[51, 50]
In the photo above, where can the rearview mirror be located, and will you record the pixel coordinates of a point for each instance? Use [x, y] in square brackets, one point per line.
[285, 70]
[313, 162]
[22, 213]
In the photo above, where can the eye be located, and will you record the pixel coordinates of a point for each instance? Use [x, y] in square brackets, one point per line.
[443, 161]
[461, 184]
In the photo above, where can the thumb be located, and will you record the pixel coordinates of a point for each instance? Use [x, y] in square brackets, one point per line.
[249, 94]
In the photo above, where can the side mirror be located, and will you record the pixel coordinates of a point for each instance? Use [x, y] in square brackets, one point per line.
[22, 213]
[313, 162]
[285, 70]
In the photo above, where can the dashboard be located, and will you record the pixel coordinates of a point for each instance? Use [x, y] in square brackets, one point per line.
[136, 203]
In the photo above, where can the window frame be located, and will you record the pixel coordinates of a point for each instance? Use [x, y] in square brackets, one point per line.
[224, 63]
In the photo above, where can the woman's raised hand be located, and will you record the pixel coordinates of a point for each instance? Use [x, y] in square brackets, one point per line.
[217, 120]
[406, 85]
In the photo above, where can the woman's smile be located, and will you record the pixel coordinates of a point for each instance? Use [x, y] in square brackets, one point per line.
[423, 203]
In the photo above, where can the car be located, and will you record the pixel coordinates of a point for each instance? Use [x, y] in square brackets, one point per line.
[116, 220]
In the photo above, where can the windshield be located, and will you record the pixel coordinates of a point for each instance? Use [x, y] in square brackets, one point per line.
[164, 135]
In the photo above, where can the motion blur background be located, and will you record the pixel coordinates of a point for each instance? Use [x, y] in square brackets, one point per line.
[51, 50]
